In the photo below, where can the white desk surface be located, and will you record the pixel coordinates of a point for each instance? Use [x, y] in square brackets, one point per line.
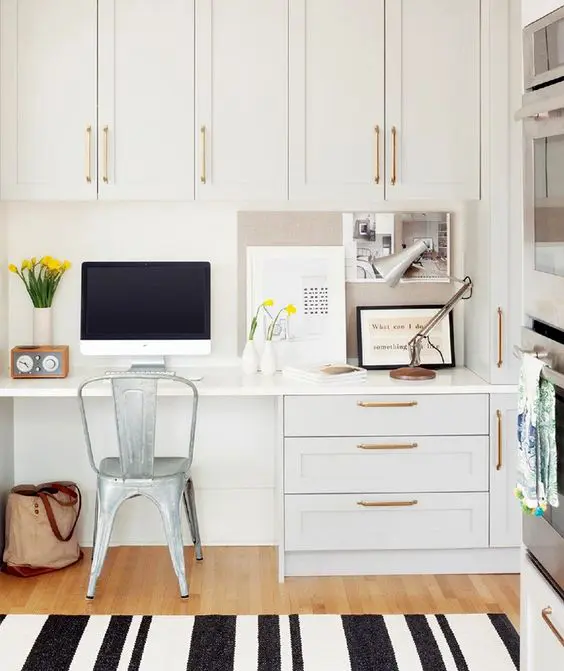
[230, 381]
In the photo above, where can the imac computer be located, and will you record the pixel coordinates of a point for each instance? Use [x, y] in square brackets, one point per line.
[145, 310]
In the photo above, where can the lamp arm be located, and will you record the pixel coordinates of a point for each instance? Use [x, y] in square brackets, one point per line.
[436, 318]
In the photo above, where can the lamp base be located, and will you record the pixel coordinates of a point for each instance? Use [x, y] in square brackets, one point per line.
[413, 373]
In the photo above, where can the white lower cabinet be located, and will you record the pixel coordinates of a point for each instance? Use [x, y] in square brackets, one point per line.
[542, 622]
[421, 481]
[386, 522]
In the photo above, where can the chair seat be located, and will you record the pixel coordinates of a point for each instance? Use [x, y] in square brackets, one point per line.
[163, 467]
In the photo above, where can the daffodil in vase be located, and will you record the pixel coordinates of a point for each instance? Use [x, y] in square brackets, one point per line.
[268, 361]
[41, 278]
[250, 358]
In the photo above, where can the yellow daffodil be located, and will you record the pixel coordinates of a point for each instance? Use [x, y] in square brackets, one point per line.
[291, 309]
[268, 303]
[41, 278]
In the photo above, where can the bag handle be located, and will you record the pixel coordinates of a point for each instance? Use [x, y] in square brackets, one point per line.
[45, 493]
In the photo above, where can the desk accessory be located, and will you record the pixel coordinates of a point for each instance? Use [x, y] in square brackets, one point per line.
[329, 374]
[37, 362]
[392, 269]
[41, 278]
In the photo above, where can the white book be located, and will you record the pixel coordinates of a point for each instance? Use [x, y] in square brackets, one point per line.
[327, 373]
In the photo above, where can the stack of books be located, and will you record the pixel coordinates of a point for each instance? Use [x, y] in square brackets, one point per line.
[327, 373]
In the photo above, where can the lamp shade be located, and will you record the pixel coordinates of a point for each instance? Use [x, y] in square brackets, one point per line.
[393, 268]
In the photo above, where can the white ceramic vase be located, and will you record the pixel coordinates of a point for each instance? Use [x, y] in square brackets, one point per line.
[250, 358]
[42, 326]
[268, 362]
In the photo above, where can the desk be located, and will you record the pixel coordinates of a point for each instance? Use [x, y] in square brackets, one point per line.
[249, 427]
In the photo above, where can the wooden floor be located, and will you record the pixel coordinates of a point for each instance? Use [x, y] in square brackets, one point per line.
[139, 580]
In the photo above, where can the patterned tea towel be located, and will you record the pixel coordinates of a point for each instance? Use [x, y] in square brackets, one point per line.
[536, 437]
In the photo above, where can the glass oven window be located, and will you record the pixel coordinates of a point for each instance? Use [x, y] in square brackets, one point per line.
[548, 46]
[549, 204]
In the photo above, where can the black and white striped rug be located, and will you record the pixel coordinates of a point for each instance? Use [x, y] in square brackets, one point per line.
[261, 643]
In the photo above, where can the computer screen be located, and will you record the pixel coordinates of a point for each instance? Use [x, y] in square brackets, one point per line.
[154, 303]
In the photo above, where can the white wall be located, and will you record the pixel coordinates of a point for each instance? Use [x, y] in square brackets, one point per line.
[122, 231]
[531, 10]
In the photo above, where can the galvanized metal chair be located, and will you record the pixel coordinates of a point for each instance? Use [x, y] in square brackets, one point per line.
[138, 472]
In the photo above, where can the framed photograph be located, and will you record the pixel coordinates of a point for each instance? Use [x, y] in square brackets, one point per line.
[384, 332]
[311, 278]
[367, 236]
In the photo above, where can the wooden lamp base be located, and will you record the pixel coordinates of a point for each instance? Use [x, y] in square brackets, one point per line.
[413, 373]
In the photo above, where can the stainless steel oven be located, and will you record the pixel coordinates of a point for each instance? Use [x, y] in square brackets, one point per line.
[543, 50]
[544, 536]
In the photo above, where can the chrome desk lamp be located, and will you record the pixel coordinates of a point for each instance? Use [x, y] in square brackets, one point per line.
[392, 269]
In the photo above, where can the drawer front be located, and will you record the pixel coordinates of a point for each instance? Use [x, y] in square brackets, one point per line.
[424, 415]
[386, 464]
[399, 522]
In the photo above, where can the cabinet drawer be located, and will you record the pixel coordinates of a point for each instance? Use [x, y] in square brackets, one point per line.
[399, 521]
[406, 415]
[386, 464]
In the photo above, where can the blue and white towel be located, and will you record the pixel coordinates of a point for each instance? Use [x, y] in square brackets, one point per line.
[536, 435]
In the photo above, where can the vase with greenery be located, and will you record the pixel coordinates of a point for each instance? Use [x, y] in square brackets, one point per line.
[41, 278]
[268, 361]
[250, 358]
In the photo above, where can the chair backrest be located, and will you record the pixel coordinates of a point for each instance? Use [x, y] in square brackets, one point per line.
[135, 408]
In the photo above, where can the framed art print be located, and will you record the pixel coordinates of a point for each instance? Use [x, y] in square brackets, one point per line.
[312, 279]
[384, 333]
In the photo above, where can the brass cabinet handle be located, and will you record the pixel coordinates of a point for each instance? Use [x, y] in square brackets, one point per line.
[499, 441]
[394, 176]
[387, 446]
[386, 404]
[203, 173]
[88, 155]
[546, 613]
[106, 132]
[387, 504]
[377, 156]
[499, 337]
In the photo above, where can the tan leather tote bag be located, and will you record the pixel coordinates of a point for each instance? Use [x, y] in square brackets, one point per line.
[40, 526]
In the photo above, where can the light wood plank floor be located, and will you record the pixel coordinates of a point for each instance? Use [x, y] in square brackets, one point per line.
[140, 580]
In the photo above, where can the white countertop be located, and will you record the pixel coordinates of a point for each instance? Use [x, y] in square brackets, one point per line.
[231, 382]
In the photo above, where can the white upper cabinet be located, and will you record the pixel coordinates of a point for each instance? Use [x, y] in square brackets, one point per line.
[433, 99]
[241, 99]
[146, 100]
[48, 99]
[336, 104]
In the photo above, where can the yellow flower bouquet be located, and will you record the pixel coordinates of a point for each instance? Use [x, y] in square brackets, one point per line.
[41, 278]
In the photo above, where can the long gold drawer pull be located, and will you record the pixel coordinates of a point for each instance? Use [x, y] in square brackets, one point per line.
[377, 155]
[387, 504]
[387, 446]
[106, 132]
[499, 337]
[386, 404]
[203, 176]
[546, 613]
[499, 441]
[394, 177]
[88, 159]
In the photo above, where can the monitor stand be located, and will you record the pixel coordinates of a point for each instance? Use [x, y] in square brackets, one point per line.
[156, 365]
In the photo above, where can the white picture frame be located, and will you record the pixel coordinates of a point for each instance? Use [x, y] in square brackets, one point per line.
[312, 279]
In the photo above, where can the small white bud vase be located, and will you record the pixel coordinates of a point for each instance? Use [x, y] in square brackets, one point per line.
[250, 358]
[268, 363]
[42, 326]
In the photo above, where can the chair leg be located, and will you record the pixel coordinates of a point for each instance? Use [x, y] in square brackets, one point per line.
[108, 500]
[96, 506]
[170, 514]
[190, 505]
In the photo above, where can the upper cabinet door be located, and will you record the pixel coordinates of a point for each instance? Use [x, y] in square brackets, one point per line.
[146, 99]
[48, 99]
[241, 99]
[433, 99]
[337, 101]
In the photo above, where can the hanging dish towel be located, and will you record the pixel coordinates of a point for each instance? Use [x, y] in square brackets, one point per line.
[536, 436]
